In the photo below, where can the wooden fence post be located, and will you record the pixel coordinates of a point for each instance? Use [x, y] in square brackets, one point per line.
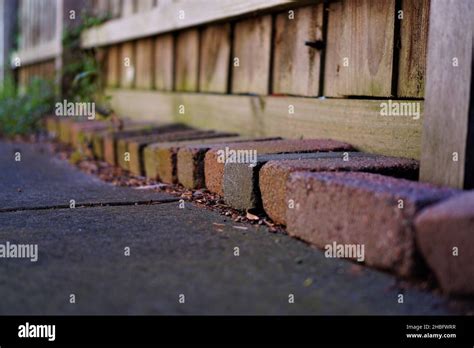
[8, 17]
[447, 156]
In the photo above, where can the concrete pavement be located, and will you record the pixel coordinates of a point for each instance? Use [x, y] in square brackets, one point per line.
[173, 252]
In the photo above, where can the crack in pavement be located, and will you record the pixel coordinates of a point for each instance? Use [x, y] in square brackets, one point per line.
[41, 181]
[91, 205]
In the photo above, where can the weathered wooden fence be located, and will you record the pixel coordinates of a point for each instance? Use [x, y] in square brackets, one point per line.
[41, 25]
[281, 51]
[39, 44]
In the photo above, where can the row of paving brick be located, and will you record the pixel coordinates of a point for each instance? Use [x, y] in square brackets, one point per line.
[324, 191]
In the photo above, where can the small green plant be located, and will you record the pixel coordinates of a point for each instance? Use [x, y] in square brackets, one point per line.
[20, 113]
[81, 73]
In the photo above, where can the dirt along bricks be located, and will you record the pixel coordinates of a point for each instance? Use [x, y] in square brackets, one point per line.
[190, 161]
[361, 209]
[274, 175]
[161, 158]
[445, 236]
[215, 158]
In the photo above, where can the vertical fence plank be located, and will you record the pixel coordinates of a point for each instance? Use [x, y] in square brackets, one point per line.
[101, 7]
[164, 62]
[127, 7]
[359, 53]
[251, 61]
[21, 15]
[127, 64]
[414, 38]
[22, 78]
[35, 22]
[50, 10]
[144, 5]
[214, 61]
[115, 8]
[447, 151]
[27, 23]
[41, 14]
[113, 64]
[187, 58]
[51, 70]
[296, 68]
[144, 65]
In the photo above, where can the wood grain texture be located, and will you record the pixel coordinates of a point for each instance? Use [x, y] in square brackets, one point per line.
[360, 34]
[115, 8]
[144, 5]
[144, 63]
[127, 64]
[128, 8]
[164, 62]
[355, 121]
[22, 78]
[449, 124]
[113, 66]
[252, 47]
[50, 71]
[414, 39]
[100, 7]
[215, 55]
[187, 61]
[296, 66]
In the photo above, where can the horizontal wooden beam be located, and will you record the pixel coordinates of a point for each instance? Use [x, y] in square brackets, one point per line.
[356, 121]
[45, 51]
[174, 15]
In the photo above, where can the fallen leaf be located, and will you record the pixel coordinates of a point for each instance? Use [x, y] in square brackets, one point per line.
[251, 216]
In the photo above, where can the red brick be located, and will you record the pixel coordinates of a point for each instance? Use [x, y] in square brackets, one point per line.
[274, 175]
[439, 229]
[161, 158]
[52, 126]
[64, 127]
[361, 208]
[190, 162]
[78, 129]
[214, 170]
[135, 146]
[111, 140]
[95, 139]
